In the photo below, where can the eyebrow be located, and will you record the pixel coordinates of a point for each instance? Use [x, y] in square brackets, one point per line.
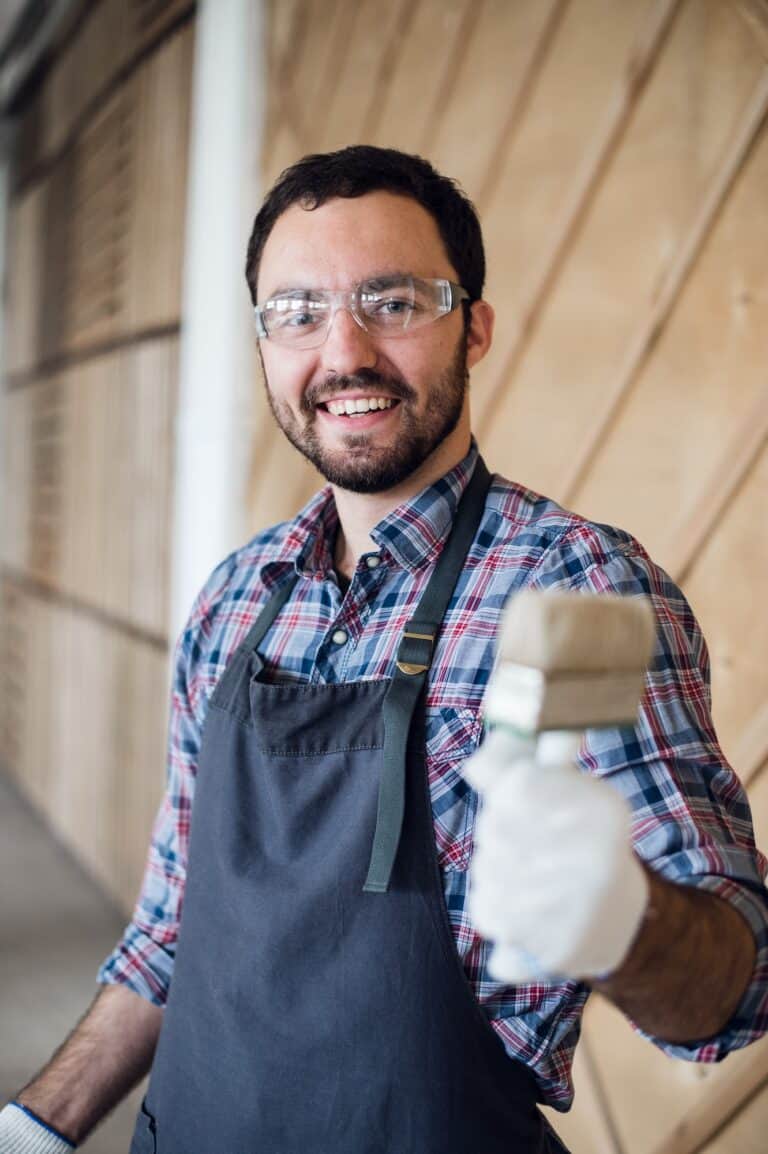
[383, 275]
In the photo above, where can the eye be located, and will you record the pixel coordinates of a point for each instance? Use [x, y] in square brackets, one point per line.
[393, 306]
[295, 313]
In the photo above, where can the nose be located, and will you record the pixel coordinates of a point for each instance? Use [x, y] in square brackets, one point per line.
[348, 347]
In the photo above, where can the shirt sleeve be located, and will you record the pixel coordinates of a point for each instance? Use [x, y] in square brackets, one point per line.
[144, 956]
[692, 822]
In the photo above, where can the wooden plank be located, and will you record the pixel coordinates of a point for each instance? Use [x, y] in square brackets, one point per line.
[152, 371]
[17, 473]
[45, 490]
[758, 800]
[492, 85]
[615, 267]
[654, 1099]
[141, 753]
[286, 26]
[742, 448]
[705, 377]
[755, 13]
[103, 162]
[751, 750]
[642, 344]
[726, 587]
[554, 167]
[733, 1120]
[281, 482]
[158, 183]
[25, 281]
[84, 814]
[375, 33]
[422, 77]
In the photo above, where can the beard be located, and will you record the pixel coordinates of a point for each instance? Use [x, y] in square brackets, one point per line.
[362, 466]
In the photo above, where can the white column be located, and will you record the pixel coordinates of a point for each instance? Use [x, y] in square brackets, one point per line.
[214, 429]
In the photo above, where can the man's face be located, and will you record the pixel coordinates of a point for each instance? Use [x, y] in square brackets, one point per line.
[422, 374]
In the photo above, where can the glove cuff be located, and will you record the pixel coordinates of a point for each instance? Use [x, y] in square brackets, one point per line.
[22, 1132]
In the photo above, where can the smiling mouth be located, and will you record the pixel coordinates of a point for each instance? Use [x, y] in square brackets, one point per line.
[358, 407]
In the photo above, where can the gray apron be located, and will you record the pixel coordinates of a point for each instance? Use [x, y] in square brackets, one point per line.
[318, 1003]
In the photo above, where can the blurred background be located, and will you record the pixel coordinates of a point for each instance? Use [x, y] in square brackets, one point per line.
[617, 151]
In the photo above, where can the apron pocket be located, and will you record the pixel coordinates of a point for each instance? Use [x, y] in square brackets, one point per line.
[144, 1135]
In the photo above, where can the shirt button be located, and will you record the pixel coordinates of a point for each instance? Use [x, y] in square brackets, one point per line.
[339, 637]
[373, 561]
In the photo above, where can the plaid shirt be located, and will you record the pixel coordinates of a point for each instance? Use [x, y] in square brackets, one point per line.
[691, 818]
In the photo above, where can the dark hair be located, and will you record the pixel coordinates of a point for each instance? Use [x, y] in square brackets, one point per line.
[362, 168]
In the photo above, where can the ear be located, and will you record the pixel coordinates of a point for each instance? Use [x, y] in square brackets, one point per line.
[480, 332]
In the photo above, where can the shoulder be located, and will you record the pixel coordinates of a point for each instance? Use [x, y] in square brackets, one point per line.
[553, 545]
[540, 544]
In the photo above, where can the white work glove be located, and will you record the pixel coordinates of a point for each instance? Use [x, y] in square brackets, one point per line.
[21, 1133]
[553, 881]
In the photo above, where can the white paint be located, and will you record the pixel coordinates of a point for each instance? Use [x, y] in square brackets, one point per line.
[214, 431]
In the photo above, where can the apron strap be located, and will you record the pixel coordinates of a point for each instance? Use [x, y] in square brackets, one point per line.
[414, 657]
[227, 688]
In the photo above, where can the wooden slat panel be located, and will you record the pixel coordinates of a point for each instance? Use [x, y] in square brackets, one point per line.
[282, 481]
[142, 725]
[25, 281]
[705, 376]
[45, 481]
[622, 254]
[751, 751]
[85, 476]
[651, 1095]
[85, 67]
[17, 474]
[42, 677]
[14, 621]
[755, 13]
[82, 805]
[552, 166]
[727, 590]
[425, 71]
[352, 111]
[101, 209]
[150, 382]
[159, 175]
[746, 1133]
[504, 53]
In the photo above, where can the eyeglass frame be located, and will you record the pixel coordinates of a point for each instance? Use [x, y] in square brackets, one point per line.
[349, 299]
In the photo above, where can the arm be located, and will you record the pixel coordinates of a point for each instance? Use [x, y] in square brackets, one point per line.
[689, 966]
[105, 1056]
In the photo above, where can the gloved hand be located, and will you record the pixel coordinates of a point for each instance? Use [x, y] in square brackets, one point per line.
[553, 882]
[22, 1133]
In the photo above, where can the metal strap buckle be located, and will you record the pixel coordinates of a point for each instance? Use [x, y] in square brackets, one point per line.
[408, 666]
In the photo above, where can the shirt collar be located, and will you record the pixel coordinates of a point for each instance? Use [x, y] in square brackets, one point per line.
[412, 534]
[415, 531]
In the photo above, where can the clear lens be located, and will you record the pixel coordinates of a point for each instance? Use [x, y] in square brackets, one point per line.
[385, 306]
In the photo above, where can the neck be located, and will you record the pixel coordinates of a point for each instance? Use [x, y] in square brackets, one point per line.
[360, 512]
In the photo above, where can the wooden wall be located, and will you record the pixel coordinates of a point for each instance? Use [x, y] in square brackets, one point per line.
[92, 329]
[618, 154]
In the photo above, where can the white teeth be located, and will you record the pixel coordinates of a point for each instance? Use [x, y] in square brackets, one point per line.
[361, 405]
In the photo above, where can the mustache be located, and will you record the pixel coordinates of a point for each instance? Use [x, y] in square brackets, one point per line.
[365, 379]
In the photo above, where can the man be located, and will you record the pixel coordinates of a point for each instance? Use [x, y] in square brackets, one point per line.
[325, 988]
